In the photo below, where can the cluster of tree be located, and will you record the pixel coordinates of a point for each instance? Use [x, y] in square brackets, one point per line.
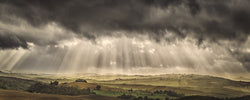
[98, 87]
[127, 97]
[169, 93]
[54, 89]
[131, 97]
[146, 98]
[81, 80]
[54, 83]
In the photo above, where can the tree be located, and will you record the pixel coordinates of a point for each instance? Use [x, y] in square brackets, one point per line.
[98, 87]
[81, 80]
[131, 90]
[140, 98]
[54, 83]
[88, 89]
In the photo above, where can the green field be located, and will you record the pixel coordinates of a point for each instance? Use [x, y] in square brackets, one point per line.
[135, 93]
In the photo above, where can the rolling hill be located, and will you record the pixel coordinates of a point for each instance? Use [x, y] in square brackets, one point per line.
[114, 85]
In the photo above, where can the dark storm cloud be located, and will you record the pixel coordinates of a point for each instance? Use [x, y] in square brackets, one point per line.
[12, 42]
[96, 15]
[210, 20]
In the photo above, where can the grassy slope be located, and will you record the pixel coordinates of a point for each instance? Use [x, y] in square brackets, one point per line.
[18, 95]
[111, 91]
[134, 93]
[187, 84]
[82, 85]
[12, 83]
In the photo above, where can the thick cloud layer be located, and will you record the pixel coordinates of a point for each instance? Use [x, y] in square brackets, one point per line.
[213, 20]
[12, 41]
[48, 22]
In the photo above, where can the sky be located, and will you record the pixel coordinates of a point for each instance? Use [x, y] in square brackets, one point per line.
[125, 36]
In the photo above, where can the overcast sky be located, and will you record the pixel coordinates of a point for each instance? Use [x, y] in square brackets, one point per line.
[125, 36]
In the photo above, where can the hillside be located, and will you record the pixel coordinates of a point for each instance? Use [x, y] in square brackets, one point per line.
[12, 83]
[187, 84]
[116, 85]
[82, 85]
[18, 95]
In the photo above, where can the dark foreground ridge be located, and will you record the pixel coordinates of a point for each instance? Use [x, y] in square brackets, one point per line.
[213, 98]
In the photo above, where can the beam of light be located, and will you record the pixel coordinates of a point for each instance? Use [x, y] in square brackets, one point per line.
[134, 56]
[10, 58]
[122, 55]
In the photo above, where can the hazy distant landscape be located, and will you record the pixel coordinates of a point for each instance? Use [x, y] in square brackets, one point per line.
[115, 87]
